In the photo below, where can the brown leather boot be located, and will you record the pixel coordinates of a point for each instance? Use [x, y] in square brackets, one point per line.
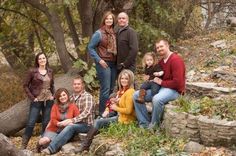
[24, 143]
[142, 93]
[87, 142]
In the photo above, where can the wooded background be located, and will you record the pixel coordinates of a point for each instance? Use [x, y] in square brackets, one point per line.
[31, 26]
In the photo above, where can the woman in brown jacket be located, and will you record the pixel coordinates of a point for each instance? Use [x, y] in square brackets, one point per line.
[102, 49]
[39, 87]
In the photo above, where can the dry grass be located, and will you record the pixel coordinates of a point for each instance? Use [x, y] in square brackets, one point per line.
[11, 90]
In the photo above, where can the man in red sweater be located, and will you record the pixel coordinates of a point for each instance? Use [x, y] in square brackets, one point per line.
[172, 85]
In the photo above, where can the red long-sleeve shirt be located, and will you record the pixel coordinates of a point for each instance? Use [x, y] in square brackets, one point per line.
[174, 73]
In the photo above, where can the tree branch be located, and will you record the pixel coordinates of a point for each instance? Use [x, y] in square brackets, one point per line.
[33, 20]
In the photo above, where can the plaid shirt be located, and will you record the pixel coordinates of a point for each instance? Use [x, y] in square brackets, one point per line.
[85, 103]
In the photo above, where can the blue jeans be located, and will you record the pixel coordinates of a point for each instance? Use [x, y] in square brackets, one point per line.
[104, 122]
[107, 79]
[66, 134]
[159, 100]
[34, 112]
[151, 85]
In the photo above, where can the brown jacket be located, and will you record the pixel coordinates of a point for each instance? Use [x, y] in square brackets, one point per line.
[33, 82]
[102, 48]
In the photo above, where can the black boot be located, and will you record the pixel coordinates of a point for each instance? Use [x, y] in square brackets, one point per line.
[24, 143]
[87, 142]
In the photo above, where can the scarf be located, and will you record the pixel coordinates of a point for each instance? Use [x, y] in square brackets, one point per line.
[121, 92]
[111, 40]
[63, 107]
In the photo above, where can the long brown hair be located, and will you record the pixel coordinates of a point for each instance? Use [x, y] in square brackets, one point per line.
[36, 61]
[105, 16]
[58, 94]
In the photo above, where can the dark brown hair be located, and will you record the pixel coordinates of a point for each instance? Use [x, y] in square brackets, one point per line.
[36, 62]
[105, 16]
[80, 78]
[58, 94]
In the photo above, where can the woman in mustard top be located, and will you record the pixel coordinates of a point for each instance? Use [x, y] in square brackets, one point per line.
[122, 103]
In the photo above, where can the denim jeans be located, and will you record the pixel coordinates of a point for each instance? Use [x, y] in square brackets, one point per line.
[34, 112]
[151, 85]
[104, 122]
[159, 100]
[107, 79]
[66, 134]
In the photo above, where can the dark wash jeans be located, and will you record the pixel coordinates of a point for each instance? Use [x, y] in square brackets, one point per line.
[66, 134]
[151, 85]
[107, 79]
[35, 109]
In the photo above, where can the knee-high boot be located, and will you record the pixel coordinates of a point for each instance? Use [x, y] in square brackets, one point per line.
[87, 142]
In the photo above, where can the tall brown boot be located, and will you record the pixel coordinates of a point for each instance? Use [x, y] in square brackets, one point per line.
[142, 93]
[24, 143]
[87, 142]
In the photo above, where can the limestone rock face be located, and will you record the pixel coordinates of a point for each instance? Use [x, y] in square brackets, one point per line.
[210, 132]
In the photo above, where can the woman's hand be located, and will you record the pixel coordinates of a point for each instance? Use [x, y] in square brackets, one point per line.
[103, 63]
[114, 107]
[64, 123]
[36, 100]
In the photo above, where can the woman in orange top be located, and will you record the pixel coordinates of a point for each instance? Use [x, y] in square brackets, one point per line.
[61, 110]
[122, 103]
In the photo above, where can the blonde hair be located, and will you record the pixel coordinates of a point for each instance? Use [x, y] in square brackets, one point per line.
[105, 16]
[152, 54]
[131, 78]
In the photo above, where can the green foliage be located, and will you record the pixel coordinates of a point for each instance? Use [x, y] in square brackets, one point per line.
[219, 109]
[137, 141]
[83, 45]
[89, 73]
[159, 19]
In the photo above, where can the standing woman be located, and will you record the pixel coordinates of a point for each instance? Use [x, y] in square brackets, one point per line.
[39, 87]
[102, 48]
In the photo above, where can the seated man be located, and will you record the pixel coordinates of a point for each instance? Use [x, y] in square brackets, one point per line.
[172, 85]
[78, 124]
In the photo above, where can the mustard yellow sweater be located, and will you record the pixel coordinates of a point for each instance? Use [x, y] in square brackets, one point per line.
[126, 107]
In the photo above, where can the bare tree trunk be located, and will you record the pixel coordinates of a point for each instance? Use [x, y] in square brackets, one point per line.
[7, 148]
[13, 119]
[72, 29]
[57, 30]
[180, 26]
[86, 15]
[84, 8]
[39, 39]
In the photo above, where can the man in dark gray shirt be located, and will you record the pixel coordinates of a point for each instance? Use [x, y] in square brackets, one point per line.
[127, 44]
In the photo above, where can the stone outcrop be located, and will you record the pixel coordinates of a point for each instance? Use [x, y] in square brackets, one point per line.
[210, 132]
[198, 89]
